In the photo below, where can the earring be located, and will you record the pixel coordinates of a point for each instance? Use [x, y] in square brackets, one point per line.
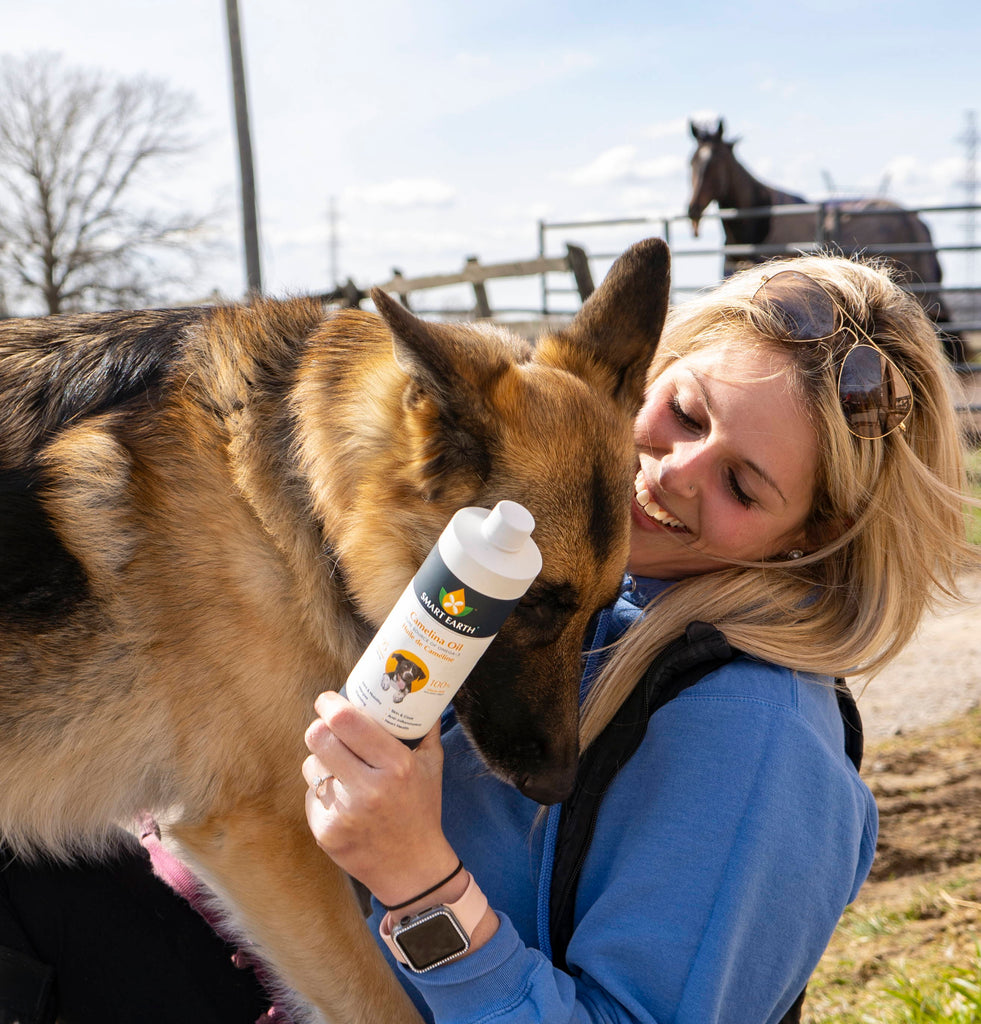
[795, 554]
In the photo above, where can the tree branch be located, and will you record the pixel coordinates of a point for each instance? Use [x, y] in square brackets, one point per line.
[77, 154]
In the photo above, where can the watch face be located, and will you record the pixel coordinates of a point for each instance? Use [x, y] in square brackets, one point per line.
[431, 939]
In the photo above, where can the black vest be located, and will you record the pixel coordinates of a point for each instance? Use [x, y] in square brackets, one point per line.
[701, 650]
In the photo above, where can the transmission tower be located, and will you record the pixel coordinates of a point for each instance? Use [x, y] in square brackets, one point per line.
[970, 186]
[333, 242]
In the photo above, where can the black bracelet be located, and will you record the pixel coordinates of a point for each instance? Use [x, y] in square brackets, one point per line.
[432, 889]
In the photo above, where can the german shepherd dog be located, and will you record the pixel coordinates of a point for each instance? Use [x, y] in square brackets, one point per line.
[205, 514]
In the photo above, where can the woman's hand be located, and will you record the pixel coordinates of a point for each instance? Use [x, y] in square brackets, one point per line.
[379, 817]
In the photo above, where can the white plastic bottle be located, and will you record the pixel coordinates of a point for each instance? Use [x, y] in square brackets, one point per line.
[446, 618]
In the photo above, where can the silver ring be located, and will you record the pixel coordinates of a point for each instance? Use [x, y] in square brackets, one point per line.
[319, 781]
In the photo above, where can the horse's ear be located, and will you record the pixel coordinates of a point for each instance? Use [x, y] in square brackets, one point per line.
[720, 130]
[696, 134]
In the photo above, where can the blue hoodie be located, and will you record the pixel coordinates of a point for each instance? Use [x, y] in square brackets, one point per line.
[724, 854]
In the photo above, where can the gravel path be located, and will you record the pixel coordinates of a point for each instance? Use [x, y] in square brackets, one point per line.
[936, 678]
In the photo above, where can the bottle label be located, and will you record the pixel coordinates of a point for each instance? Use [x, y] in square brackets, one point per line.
[432, 638]
[454, 605]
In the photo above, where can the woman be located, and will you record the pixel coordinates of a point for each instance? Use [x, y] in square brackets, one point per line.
[800, 486]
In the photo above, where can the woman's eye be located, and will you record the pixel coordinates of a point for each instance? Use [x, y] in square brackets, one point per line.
[737, 492]
[681, 416]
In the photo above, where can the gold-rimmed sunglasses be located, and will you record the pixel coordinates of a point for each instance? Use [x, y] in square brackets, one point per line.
[875, 397]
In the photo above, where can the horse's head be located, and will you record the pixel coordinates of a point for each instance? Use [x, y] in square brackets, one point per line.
[710, 163]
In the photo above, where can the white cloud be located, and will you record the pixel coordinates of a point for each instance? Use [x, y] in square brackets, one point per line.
[515, 72]
[622, 165]
[403, 193]
[646, 200]
[908, 173]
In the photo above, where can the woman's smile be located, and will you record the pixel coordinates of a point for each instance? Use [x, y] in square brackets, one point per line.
[655, 513]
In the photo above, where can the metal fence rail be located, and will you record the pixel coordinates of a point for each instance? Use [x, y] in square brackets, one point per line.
[629, 228]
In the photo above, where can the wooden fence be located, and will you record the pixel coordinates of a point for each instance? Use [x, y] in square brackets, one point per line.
[476, 274]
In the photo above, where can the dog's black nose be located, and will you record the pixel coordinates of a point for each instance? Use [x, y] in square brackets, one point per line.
[550, 766]
[548, 787]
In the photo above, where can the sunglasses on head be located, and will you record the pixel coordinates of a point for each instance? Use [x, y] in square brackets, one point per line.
[875, 397]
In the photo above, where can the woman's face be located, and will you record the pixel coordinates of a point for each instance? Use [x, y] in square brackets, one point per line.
[727, 464]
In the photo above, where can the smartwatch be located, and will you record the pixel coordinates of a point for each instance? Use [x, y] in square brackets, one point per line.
[435, 936]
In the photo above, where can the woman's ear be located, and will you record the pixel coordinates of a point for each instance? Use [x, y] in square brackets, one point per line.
[821, 531]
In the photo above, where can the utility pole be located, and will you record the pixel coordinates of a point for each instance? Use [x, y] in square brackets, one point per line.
[250, 217]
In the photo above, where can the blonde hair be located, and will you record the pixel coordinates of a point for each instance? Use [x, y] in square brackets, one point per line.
[887, 531]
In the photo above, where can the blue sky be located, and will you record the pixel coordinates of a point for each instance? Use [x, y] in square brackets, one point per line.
[444, 129]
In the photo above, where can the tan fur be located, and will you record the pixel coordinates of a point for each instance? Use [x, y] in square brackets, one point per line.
[243, 511]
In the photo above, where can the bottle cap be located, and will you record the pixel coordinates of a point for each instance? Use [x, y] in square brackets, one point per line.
[508, 526]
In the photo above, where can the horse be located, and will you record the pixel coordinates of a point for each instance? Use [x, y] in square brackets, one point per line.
[848, 225]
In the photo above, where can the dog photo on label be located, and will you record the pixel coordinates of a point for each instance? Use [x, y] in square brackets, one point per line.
[403, 675]
[205, 515]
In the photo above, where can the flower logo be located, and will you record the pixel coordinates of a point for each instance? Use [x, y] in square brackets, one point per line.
[455, 603]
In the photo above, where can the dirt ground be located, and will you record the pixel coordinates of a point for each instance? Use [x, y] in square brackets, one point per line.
[936, 678]
[920, 911]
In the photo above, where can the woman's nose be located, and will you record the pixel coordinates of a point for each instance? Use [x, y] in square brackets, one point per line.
[680, 469]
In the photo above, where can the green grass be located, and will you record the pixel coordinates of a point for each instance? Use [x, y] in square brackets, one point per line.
[907, 956]
[953, 997]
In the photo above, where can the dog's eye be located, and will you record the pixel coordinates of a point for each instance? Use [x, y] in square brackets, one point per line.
[546, 609]
[536, 613]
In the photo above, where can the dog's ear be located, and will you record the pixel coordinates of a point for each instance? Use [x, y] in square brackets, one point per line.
[612, 338]
[433, 355]
[449, 376]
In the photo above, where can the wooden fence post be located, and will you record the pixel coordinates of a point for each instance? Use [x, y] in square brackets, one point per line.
[352, 294]
[482, 308]
[403, 296]
[579, 265]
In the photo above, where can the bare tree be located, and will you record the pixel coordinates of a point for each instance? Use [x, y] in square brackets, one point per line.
[80, 226]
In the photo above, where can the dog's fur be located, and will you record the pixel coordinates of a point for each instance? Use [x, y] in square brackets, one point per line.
[204, 514]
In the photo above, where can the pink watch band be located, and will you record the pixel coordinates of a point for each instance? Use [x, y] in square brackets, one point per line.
[469, 910]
